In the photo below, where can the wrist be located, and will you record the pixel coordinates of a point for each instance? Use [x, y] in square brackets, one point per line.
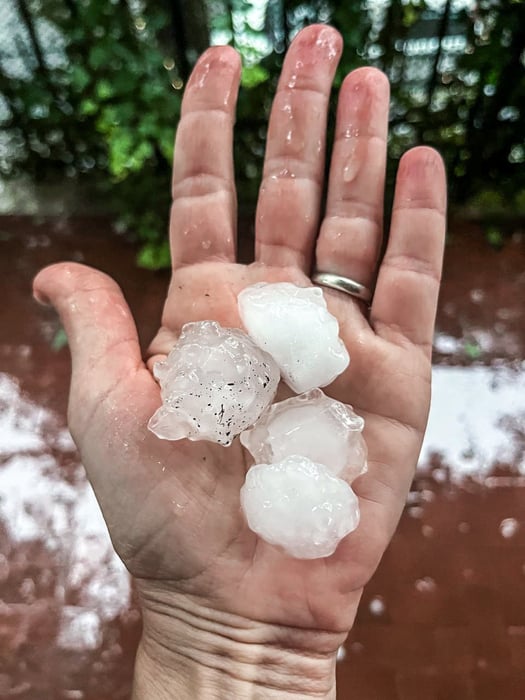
[190, 651]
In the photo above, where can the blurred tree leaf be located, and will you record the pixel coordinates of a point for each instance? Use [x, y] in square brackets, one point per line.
[253, 75]
[107, 112]
[154, 256]
[59, 340]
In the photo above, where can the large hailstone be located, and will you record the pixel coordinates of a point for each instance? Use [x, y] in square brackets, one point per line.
[312, 425]
[298, 505]
[294, 325]
[215, 383]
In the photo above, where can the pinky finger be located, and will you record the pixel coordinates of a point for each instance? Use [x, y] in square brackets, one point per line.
[406, 294]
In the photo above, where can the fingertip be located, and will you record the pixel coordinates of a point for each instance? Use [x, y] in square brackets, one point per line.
[67, 274]
[421, 179]
[367, 77]
[224, 54]
[363, 104]
[319, 39]
[422, 158]
[47, 280]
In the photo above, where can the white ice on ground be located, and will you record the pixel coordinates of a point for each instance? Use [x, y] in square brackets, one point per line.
[476, 416]
[294, 325]
[298, 505]
[215, 383]
[39, 504]
[312, 425]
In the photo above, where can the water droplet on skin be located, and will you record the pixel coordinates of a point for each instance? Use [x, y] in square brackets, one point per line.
[294, 142]
[226, 98]
[206, 244]
[353, 154]
[341, 653]
[284, 172]
[351, 132]
[293, 80]
[327, 42]
[509, 527]
[350, 170]
[205, 69]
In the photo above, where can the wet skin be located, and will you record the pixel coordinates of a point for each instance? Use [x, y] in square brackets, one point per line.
[173, 508]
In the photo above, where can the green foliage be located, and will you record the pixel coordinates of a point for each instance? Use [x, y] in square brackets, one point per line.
[59, 340]
[154, 255]
[252, 76]
[494, 236]
[107, 116]
[472, 349]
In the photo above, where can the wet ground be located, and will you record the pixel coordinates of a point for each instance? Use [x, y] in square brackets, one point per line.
[444, 616]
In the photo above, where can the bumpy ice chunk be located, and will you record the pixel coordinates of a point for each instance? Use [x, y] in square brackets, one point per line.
[312, 425]
[293, 324]
[299, 506]
[215, 383]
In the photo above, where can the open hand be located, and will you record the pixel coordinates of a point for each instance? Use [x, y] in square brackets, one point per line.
[172, 508]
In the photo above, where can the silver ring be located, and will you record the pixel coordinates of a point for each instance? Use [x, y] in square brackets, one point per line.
[342, 284]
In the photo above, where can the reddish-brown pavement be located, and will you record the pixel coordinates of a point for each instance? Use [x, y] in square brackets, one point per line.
[444, 616]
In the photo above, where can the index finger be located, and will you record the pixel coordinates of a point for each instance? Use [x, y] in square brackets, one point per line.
[203, 214]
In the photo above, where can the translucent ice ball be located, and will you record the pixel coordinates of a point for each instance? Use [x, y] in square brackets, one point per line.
[215, 383]
[315, 426]
[298, 505]
[294, 325]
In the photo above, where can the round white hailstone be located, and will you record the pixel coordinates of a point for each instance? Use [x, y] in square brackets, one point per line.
[215, 383]
[298, 505]
[315, 426]
[294, 325]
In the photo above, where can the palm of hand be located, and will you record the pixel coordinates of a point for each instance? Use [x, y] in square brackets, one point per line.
[180, 523]
[173, 508]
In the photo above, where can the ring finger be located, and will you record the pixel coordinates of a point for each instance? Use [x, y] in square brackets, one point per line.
[350, 237]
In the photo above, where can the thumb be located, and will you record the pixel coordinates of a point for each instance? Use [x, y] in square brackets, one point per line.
[100, 328]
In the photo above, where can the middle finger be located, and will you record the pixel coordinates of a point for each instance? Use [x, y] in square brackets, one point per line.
[291, 188]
